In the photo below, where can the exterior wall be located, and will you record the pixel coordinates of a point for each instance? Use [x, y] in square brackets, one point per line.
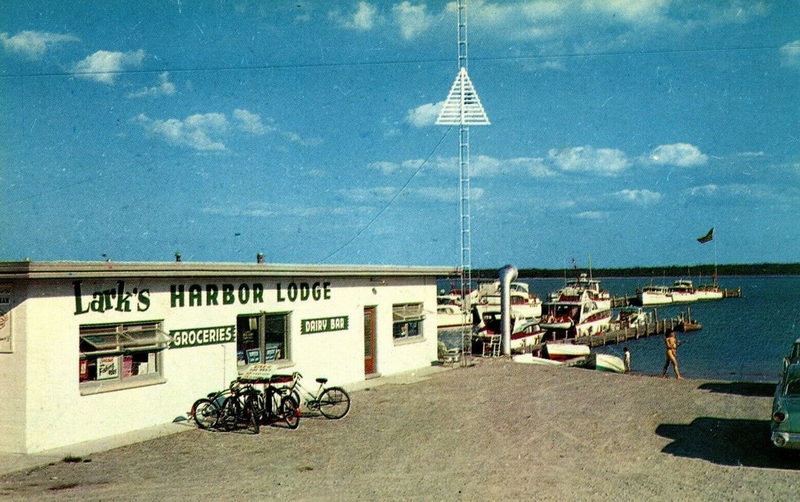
[12, 373]
[47, 352]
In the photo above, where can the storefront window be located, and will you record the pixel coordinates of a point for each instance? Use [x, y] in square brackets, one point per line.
[261, 338]
[124, 353]
[407, 321]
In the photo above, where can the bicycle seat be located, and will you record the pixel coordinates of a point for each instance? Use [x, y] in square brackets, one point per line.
[323, 381]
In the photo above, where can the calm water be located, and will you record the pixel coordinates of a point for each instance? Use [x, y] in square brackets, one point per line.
[743, 339]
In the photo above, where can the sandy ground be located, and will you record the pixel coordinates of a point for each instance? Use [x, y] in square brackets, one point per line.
[496, 430]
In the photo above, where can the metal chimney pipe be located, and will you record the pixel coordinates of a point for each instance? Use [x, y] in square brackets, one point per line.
[507, 275]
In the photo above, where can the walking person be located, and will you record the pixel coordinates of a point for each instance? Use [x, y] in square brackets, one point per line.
[627, 359]
[671, 343]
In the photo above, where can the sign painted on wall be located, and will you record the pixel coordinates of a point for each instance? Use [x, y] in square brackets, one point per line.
[121, 298]
[118, 298]
[194, 337]
[339, 323]
[6, 301]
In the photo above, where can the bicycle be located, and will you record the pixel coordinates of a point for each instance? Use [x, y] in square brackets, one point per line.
[274, 403]
[331, 402]
[241, 407]
[243, 403]
[205, 411]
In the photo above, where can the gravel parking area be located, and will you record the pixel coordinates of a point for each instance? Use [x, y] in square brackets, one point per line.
[495, 430]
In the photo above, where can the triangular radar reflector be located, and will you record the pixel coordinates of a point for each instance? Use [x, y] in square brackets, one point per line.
[462, 107]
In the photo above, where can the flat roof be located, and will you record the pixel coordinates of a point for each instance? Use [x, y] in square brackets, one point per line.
[103, 269]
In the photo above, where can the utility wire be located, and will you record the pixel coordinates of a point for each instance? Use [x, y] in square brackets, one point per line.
[280, 66]
[390, 202]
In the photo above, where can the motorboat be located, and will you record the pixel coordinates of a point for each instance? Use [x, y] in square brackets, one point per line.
[654, 295]
[524, 332]
[632, 317]
[683, 291]
[578, 315]
[583, 283]
[709, 292]
[523, 303]
[451, 316]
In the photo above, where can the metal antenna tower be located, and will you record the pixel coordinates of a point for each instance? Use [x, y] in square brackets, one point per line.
[463, 108]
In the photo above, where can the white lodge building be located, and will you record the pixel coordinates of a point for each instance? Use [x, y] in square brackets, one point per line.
[93, 349]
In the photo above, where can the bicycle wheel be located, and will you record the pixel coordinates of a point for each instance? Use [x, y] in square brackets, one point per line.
[334, 402]
[205, 413]
[289, 412]
[230, 413]
[253, 416]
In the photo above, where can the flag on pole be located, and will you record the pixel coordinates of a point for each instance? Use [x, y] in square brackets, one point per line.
[709, 236]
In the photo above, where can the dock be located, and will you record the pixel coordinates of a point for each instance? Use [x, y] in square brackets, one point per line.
[657, 327]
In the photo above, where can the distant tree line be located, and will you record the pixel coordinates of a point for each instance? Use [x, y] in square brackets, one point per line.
[668, 270]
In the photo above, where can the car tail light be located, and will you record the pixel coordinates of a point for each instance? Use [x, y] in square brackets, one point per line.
[779, 416]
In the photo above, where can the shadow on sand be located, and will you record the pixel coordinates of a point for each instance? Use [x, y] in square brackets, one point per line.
[725, 441]
[753, 389]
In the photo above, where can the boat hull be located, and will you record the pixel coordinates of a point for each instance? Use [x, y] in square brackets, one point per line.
[606, 362]
[564, 351]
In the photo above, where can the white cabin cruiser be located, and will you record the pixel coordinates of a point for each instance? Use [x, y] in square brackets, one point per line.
[654, 295]
[524, 304]
[579, 314]
[583, 283]
[683, 291]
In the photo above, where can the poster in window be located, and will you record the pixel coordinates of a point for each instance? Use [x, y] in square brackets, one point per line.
[83, 370]
[253, 356]
[107, 367]
[127, 366]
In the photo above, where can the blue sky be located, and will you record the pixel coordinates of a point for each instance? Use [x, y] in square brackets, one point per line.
[621, 131]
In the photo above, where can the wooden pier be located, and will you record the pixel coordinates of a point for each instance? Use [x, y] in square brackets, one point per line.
[732, 293]
[657, 327]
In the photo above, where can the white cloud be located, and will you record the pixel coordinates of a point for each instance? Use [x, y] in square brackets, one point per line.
[641, 197]
[592, 215]
[250, 122]
[751, 154]
[266, 210]
[412, 19]
[164, 88]
[480, 166]
[790, 54]
[104, 66]
[205, 131]
[384, 166]
[678, 154]
[363, 19]
[633, 12]
[372, 194]
[300, 140]
[587, 159]
[424, 115]
[703, 190]
[386, 193]
[195, 131]
[33, 44]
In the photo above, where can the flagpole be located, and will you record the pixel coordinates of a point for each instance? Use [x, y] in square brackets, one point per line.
[715, 262]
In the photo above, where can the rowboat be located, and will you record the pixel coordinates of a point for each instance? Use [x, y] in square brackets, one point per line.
[564, 351]
[606, 362]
